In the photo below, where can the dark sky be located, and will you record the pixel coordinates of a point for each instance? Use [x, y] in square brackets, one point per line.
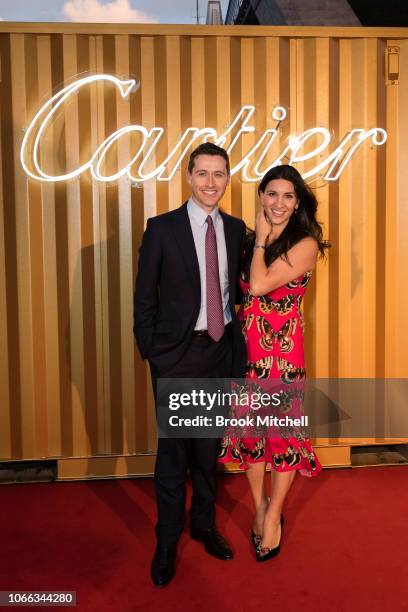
[381, 12]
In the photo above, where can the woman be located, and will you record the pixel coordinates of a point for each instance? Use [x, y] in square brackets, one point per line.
[277, 264]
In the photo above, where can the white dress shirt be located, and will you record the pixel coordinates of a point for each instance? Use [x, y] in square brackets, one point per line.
[198, 222]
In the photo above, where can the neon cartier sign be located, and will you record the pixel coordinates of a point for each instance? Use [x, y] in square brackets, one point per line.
[330, 167]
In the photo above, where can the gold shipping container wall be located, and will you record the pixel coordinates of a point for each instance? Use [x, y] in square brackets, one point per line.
[72, 385]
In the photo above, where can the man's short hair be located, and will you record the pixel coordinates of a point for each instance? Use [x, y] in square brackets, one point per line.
[208, 148]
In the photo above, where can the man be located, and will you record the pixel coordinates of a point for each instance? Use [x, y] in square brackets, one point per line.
[185, 325]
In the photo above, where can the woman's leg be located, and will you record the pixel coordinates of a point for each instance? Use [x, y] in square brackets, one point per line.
[280, 485]
[256, 479]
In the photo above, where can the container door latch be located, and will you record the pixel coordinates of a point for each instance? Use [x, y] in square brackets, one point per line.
[392, 60]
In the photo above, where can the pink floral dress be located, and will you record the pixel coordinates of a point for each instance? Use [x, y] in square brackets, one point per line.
[273, 329]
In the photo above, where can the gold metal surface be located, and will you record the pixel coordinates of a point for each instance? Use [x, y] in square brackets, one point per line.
[71, 381]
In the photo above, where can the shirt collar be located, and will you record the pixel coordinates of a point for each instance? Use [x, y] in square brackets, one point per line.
[199, 215]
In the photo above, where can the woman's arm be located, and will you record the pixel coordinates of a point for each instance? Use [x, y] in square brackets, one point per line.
[301, 258]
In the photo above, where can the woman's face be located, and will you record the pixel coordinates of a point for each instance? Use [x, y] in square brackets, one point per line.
[279, 201]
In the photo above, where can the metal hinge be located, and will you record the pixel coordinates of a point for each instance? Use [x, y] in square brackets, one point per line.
[392, 59]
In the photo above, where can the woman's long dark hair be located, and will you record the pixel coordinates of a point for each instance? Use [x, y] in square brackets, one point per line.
[302, 223]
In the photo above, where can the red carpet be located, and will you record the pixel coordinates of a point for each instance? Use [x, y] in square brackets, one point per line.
[344, 547]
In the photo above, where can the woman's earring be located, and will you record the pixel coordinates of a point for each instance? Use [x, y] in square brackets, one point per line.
[296, 208]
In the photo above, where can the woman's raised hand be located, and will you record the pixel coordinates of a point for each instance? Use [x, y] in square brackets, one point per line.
[263, 227]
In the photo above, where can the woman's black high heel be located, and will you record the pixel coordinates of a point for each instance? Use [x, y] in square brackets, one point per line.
[263, 554]
[256, 539]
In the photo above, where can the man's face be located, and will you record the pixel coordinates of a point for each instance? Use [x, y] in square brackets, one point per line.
[208, 179]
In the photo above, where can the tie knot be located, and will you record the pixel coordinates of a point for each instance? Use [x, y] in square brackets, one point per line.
[209, 221]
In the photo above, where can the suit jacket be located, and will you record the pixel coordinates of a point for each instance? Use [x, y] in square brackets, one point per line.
[168, 294]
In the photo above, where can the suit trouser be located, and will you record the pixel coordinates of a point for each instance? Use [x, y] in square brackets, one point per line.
[203, 359]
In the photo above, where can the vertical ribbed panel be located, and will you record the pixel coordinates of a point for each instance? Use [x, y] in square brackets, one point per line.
[71, 381]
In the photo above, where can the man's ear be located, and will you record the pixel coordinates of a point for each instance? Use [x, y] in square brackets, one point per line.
[188, 177]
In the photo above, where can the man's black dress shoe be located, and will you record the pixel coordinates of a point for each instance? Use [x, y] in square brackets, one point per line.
[213, 542]
[163, 565]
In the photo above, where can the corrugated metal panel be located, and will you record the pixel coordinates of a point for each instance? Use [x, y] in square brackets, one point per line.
[71, 381]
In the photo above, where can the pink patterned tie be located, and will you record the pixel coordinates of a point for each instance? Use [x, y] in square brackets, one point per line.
[215, 313]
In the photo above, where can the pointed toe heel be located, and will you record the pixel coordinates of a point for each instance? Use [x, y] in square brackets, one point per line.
[265, 553]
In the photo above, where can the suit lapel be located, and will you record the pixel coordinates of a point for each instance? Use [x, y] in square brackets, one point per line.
[184, 237]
